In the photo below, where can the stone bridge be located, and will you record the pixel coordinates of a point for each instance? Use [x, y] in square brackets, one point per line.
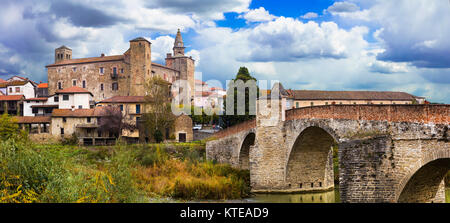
[386, 153]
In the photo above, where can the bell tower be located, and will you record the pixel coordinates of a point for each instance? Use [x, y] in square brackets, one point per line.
[63, 53]
[178, 47]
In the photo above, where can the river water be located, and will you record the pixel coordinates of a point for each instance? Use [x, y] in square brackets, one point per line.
[321, 197]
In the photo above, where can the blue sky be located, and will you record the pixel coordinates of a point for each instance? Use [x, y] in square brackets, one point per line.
[388, 45]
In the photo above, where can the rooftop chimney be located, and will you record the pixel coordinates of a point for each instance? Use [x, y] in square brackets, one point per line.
[102, 55]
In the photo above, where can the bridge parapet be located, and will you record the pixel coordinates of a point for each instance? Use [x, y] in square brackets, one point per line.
[438, 114]
[244, 126]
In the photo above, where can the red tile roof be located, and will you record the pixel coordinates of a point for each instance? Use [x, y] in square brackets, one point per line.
[351, 95]
[11, 97]
[124, 99]
[93, 112]
[43, 85]
[32, 119]
[73, 90]
[2, 81]
[88, 60]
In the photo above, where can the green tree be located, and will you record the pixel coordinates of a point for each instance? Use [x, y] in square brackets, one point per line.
[230, 120]
[9, 129]
[160, 116]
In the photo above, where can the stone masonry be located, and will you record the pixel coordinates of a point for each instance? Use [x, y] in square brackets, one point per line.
[387, 153]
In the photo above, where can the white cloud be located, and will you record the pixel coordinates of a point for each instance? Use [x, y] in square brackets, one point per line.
[340, 7]
[258, 15]
[387, 67]
[310, 15]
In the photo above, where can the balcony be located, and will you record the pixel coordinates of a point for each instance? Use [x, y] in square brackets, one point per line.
[114, 75]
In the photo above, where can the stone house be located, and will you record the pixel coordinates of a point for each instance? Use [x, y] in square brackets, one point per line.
[83, 123]
[118, 75]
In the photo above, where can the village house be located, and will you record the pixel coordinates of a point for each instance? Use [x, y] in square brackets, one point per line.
[12, 104]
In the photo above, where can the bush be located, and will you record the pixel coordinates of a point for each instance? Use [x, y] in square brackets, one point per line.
[158, 136]
[71, 141]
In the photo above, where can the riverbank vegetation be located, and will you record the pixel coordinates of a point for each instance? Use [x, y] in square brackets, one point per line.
[123, 173]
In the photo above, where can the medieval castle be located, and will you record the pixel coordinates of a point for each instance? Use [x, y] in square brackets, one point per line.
[119, 75]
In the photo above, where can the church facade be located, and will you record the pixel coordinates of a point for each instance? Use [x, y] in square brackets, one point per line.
[119, 75]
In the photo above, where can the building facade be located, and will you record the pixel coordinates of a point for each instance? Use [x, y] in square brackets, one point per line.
[118, 75]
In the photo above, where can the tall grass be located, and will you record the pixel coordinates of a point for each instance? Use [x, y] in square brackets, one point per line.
[69, 174]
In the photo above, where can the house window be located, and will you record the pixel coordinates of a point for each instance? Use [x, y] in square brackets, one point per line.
[115, 86]
[312, 103]
[74, 69]
[114, 70]
[138, 109]
[17, 89]
[62, 131]
[84, 84]
[65, 97]
[74, 82]
[102, 70]
[326, 103]
[297, 104]
[89, 119]
[56, 99]
[121, 107]
[64, 119]
[35, 110]
[10, 90]
[80, 106]
[121, 70]
[101, 87]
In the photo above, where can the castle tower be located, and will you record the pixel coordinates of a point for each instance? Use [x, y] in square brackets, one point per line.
[178, 48]
[63, 53]
[140, 66]
[182, 63]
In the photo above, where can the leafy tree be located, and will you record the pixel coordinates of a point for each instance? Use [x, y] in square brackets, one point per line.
[160, 116]
[230, 120]
[114, 121]
[9, 129]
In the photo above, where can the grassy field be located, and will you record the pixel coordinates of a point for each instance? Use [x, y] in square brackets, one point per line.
[111, 174]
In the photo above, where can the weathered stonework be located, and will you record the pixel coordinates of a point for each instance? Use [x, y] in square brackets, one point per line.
[386, 153]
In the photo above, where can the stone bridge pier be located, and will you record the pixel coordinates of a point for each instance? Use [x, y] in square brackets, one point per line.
[385, 153]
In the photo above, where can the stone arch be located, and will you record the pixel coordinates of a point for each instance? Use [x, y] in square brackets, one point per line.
[244, 150]
[424, 180]
[310, 160]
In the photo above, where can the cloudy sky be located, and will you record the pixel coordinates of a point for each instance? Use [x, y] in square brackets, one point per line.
[400, 45]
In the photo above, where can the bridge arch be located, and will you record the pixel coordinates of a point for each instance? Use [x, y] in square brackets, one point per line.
[244, 150]
[423, 183]
[310, 160]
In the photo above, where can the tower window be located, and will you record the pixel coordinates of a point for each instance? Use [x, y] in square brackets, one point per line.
[74, 69]
[59, 85]
[102, 70]
[74, 82]
[84, 84]
[101, 87]
[121, 71]
[115, 86]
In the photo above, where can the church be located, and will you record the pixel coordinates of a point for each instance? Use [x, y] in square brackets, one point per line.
[119, 75]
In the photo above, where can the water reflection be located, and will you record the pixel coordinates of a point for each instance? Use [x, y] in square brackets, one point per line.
[322, 197]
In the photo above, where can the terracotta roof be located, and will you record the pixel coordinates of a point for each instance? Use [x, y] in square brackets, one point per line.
[124, 99]
[139, 39]
[199, 82]
[11, 97]
[73, 90]
[43, 85]
[93, 112]
[2, 81]
[13, 83]
[87, 60]
[32, 119]
[351, 95]
[36, 99]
